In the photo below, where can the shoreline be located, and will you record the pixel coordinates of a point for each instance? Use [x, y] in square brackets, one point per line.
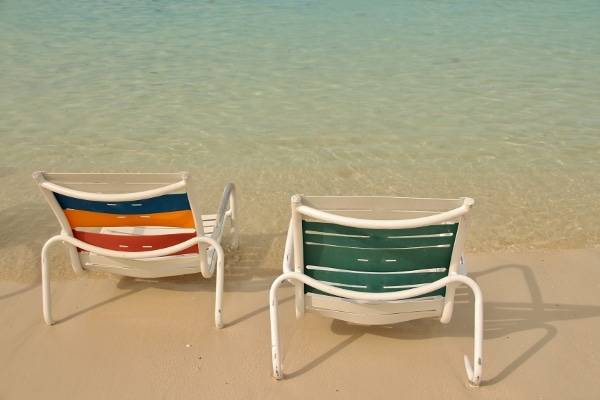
[127, 338]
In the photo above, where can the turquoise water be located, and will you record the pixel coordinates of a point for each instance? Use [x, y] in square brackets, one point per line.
[494, 100]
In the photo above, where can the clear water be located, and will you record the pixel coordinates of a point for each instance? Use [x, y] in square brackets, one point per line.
[494, 100]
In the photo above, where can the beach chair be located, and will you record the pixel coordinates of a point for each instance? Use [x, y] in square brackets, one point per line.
[141, 225]
[376, 261]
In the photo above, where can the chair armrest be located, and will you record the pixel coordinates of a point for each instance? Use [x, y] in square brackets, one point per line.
[228, 196]
[227, 209]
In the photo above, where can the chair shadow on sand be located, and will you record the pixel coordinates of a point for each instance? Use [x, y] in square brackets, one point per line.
[501, 319]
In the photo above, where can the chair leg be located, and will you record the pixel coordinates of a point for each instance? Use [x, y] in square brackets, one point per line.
[232, 215]
[234, 232]
[46, 301]
[219, 287]
[474, 371]
[235, 240]
[275, 347]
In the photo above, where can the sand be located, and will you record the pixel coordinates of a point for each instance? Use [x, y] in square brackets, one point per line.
[121, 338]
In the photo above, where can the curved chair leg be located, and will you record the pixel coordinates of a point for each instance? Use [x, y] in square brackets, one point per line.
[275, 347]
[474, 371]
[46, 301]
[219, 286]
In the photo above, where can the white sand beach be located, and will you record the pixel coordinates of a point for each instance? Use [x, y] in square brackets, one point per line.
[128, 339]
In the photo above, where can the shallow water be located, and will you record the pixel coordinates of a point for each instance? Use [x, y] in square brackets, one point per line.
[493, 100]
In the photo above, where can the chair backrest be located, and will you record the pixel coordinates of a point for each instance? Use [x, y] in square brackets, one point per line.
[130, 212]
[378, 244]
[377, 260]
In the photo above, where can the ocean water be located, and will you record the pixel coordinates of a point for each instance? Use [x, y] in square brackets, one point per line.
[496, 100]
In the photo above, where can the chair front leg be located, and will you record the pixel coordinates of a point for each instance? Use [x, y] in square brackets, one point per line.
[275, 346]
[475, 370]
[220, 280]
[46, 293]
[219, 292]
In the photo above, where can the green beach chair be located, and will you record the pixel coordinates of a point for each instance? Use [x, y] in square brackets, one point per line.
[375, 261]
[140, 225]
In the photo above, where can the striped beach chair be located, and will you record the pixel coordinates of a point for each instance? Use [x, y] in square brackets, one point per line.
[143, 225]
[375, 261]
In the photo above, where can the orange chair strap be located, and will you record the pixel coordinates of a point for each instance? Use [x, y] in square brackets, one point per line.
[179, 219]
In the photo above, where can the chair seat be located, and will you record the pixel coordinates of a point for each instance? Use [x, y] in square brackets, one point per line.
[156, 267]
[373, 312]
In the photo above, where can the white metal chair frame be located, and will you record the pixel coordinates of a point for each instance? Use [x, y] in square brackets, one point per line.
[227, 210]
[293, 255]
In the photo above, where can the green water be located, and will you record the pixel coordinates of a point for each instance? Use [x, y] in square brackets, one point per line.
[493, 100]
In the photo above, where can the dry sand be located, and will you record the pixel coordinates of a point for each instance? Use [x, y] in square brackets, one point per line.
[128, 339]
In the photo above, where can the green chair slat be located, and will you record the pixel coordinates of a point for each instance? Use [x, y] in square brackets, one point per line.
[371, 282]
[332, 234]
[437, 235]
[377, 260]
[348, 250]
